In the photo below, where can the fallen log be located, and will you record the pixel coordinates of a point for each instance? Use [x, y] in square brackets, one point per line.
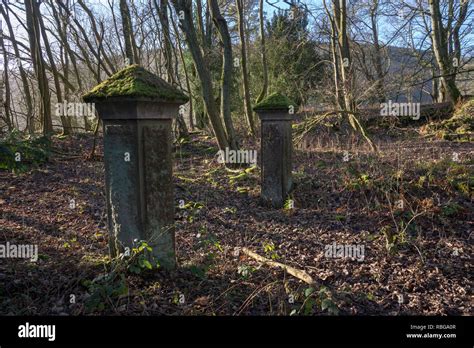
[302, 275]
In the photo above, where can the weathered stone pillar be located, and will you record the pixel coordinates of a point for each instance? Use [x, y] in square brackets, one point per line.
[276, 114]
[137, 109]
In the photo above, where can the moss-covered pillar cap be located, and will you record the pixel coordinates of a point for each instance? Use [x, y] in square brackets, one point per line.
[275, 107]
[135, 93]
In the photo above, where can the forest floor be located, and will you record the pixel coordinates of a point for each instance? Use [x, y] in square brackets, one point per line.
[410, 206]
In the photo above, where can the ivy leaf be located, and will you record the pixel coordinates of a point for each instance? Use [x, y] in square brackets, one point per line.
[147, 264]
[326, 303]
[308, 292]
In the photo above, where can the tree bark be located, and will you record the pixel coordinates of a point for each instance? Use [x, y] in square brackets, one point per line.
[186, 75]
[162, 10]
[24, 80]
[6, 83]
[340, 15]
[226, 76]
[183, 8]
[243, 60]
[32, 13]
[338, 97]
[130, 45]
[263, 53]
[378, 56]
[439, 39]
[65, 122]
[346, 69]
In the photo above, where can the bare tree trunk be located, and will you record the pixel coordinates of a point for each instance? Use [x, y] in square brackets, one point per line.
[243, 60]
[380, 85]
[209, 31]
[200, 22]
[24, 80]
[186, 75]
[226, 77]
[65, 64]
[162, 10]
[205, 39]
[439, 38]
[132, 35]
[32, 13]
[183, 8]
[457, 27]
[263, 53]
[340, 15]
[65, 122]
[6, 84]
[130, 46]
[346, 72]
[338, 97]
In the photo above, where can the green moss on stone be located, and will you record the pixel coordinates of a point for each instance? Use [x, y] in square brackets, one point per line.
[275, 101]
[134, 82]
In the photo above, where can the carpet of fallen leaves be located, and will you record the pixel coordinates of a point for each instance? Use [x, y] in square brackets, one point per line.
[409, 205]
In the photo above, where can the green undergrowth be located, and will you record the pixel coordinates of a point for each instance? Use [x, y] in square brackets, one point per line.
[460, 127]
[19, 153]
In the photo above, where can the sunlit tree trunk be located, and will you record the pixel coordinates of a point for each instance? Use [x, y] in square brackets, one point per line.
[32, 13]
[130, 45]
[24, 80]
[263, 53]
[5, 86]
[338, 97]
[162, 10]
[439, 39]
[186, 75]
[380, 84]
[226, 77]
[243, 60]
[184, 11]
[340, 15]
[65, 122]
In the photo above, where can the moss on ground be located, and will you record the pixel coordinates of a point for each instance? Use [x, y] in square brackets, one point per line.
[459, 127]
[275, 101]
[135, 82]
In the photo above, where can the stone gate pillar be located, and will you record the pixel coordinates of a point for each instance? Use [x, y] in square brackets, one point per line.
[276, 114]
[137, 109]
